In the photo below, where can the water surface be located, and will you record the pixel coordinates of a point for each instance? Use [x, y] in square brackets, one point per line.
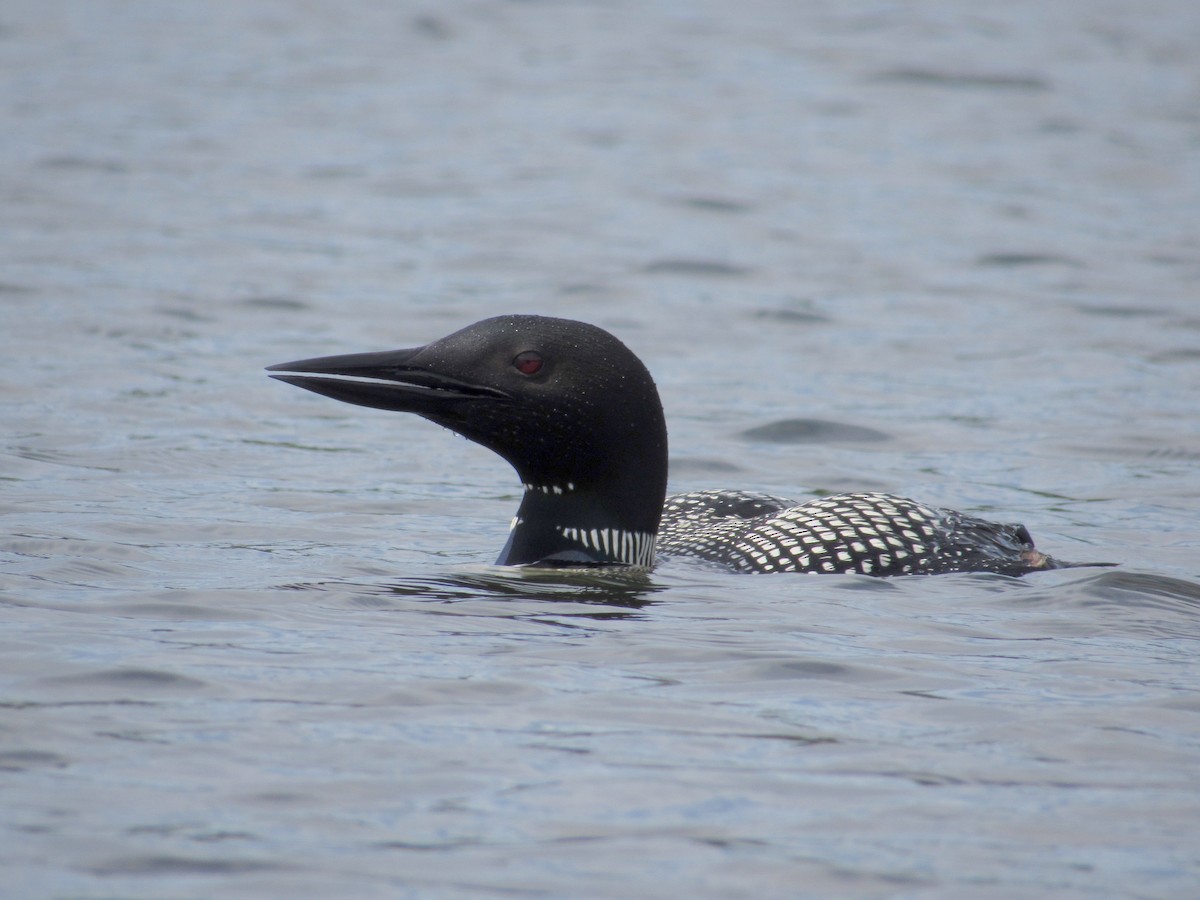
[253, 644]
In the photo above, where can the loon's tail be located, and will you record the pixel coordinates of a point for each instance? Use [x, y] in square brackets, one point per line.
[1006, 548]
[1038, 560]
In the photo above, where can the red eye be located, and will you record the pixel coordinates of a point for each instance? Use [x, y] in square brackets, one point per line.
[528, 363]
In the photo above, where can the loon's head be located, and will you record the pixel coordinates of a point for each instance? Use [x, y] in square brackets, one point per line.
[568, 405]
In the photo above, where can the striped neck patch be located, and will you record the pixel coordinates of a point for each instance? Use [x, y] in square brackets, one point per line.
[633, 548]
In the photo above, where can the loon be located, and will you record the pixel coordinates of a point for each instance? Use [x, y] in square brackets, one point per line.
[578, 416]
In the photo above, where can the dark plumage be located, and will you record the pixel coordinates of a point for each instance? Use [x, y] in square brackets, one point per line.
[578, 416]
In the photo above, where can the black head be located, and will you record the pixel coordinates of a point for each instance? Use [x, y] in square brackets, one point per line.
[567, 404]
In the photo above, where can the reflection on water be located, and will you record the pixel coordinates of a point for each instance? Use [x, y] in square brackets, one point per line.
[610, 587]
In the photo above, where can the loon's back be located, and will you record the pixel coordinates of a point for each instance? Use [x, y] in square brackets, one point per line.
[867, 534]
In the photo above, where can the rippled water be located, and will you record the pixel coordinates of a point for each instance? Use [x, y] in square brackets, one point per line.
[252, 642]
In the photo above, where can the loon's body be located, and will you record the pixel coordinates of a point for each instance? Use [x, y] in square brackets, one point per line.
[578, 416]
[866, 533]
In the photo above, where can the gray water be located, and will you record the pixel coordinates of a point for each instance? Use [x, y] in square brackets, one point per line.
[253, 644]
